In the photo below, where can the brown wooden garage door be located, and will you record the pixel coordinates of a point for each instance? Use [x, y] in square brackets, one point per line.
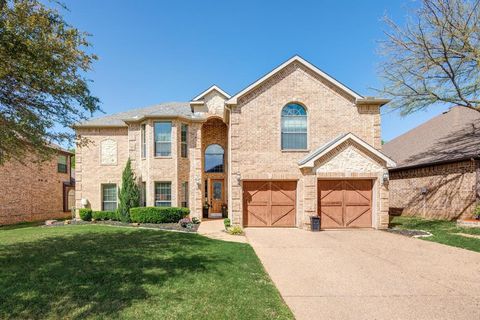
[345, 203]
[269, 203]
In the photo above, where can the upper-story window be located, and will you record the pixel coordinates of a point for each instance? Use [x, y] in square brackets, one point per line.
[294, 127]
[163, 139]
[214, 155]
[144, 141]
[184, 143]
[62, 166]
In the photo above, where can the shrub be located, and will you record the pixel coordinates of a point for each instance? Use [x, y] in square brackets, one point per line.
[235, 230]
[195, 220]
[158, 214]
[183, 222]
[86, 214]
[105, 215]
[128, 194]
[227, 223]
[477, 212]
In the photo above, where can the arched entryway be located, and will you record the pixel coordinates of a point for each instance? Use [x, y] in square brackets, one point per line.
[214, 167]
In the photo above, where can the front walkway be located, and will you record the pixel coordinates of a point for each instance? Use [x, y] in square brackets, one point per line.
[214, 228]
[369, 275]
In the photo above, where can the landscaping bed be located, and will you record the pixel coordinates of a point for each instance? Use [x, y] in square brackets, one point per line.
[444, 232]
[410, 233]
[160, 226]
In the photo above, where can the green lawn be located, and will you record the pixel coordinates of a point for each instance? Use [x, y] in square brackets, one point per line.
[100, 272]
[444, 232]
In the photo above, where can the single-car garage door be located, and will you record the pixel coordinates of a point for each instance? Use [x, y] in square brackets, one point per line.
[345, 203]
[269, 203]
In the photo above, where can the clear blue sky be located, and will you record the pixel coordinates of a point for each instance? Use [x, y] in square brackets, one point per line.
[159, 51]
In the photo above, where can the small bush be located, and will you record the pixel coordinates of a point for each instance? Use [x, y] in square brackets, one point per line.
[86, 214]
[105, 215]
[235, 230]
[158, 214]
[227, 223]
[195, 220]
[476, 214]
[184, 222]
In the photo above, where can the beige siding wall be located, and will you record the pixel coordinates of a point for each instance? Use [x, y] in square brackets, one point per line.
[449, 191]
[31, 191]
[255, 129]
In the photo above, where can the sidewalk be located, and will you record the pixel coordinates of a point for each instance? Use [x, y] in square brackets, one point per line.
[214, 228]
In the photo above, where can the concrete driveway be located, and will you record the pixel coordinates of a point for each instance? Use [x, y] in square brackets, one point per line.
[369, 275]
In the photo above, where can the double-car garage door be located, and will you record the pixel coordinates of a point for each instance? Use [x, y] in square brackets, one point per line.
[341, 203]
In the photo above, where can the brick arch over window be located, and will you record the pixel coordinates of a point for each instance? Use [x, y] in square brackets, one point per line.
[294, 127]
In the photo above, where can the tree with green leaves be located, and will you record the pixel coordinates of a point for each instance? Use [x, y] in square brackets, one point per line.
[434, 59]
[128, 194]
[43, 88]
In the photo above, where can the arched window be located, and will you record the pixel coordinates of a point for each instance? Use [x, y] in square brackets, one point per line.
[294, 127]
[214, 155]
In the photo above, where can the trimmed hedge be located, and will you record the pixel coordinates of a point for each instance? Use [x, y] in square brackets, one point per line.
[105, 215]
[158, 214]
[85, 214]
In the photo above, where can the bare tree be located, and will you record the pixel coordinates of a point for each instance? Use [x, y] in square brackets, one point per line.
[434, 58]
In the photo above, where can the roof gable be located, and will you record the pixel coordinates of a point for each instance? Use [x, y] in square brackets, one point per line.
[206, 92]
[310, 159]
[233, 100]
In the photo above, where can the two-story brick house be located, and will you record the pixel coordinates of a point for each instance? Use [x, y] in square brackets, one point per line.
[34, 190]
[294, 144]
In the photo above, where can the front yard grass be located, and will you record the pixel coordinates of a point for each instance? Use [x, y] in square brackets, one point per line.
[100, 272]
[445, 232]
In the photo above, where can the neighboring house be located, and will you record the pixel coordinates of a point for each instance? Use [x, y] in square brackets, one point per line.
[36, 191]
[295, 143]
[438, 168]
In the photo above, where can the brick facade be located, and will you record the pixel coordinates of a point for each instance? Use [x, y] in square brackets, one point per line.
[443, 191]
[32, 192]
[250, 134]
[255, 138]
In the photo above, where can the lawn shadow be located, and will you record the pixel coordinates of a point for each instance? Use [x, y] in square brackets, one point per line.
[96, 273]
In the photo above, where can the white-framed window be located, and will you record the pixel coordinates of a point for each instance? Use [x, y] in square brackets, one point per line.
[109, 197]
[163, 138]
[183, 141]
[163, 194]
[294, 127]
[62, 165]
[144, 140]
[185, 194]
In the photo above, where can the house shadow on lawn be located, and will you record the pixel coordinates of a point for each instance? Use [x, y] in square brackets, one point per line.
[95, 273]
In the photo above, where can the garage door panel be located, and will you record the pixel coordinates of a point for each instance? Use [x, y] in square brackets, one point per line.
[345, 203]
[269, 203]
[282, 215]
[331, 217]
[358, 217]
[256, 216]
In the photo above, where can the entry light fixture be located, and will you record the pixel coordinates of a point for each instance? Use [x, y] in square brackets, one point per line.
[385, 178]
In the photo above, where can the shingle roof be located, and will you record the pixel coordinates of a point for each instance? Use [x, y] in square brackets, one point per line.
[169, 109]
[453, 135]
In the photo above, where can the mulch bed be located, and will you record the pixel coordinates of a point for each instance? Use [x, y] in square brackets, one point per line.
[410, 233]
[160, 226]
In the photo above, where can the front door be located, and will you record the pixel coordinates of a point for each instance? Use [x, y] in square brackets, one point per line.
[216, 195]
